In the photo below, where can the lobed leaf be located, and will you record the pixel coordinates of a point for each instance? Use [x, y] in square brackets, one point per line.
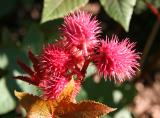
[120, 10]
[84, 109]
[35, 106]
[63, 106]
[54, 9]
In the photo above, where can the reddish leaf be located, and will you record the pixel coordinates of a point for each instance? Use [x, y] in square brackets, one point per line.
[36, 107]
[62, 107]
[85, 109]
[67, 92]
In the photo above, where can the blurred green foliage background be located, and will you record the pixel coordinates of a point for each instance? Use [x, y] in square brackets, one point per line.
[30, 24]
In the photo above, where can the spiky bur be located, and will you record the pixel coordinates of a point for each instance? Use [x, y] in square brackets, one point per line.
[53, 69]
[53, 86]
[117, 60]
[54, 59]
[81, 31]
[57, 67]
[69, 58]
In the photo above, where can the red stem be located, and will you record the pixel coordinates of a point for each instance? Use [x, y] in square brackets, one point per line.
[85, 66]
[26, 79]
[25, 67]
[154, 10]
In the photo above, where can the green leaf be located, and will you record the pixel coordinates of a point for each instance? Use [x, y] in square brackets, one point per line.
[34, 39]
[91, 70]
[7, 103]
[142, 7]
[104, 92]
[82, 95]
[7, 86]
[54, 9]
[120, 10]
[50, 29]
[8, 58]
[123, 113]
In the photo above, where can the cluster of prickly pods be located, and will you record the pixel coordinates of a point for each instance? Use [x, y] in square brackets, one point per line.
[78, 46]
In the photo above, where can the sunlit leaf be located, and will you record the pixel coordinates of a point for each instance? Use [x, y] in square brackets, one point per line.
[91, 70]
[67, 92]
[58, 8]
[85, 109]
[7, 103]
[37, 107]
[120, 10]
[123, 113]
[63, 106]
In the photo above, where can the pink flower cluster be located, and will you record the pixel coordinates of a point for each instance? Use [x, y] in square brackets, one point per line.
[70, 56]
